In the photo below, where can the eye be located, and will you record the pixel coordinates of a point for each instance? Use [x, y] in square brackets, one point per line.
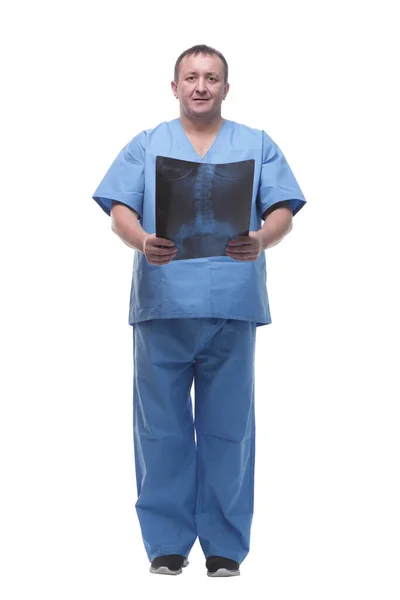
[191, 77]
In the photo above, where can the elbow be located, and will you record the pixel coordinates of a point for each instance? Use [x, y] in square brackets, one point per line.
[287, 229]
[113, 212]
[114, 226]
[287, 225]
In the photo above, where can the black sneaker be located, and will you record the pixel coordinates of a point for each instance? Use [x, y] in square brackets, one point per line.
[218, 566]
[170, 564]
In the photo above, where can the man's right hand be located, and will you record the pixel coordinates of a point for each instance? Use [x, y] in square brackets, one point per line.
[154, 253]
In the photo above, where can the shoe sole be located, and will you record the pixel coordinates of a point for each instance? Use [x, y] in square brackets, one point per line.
[223, 573]
[167, 571]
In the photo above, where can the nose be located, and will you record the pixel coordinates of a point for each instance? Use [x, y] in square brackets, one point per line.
[201, 85]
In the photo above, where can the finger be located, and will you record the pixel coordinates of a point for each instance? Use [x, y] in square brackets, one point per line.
[163, 242]
[240, 240]
[158, 252]
[244, 258]
[252, 243]
[164, 254]
[161, 262]
[239, 251]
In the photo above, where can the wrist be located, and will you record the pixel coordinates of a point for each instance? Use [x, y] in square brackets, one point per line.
[263, 241]
[142, 242]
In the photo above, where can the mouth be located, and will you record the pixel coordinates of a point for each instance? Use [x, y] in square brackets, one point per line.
[200, 99]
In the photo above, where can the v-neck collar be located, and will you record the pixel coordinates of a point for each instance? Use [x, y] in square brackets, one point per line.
[190, 145]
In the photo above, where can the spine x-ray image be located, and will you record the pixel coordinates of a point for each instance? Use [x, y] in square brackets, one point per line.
[201, 206]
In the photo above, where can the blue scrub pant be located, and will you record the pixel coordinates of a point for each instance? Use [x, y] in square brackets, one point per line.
[194, 472]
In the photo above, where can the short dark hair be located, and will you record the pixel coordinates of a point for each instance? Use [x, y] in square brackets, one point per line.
[200, 49]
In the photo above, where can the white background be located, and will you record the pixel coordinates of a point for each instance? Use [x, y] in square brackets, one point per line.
[79, 80]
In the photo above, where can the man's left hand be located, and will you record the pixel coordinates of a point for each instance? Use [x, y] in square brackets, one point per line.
[245, 247]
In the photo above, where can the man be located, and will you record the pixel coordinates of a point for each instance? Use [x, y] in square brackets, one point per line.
[196, 319]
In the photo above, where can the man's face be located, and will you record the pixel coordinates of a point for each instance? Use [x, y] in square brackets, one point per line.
[200, 86]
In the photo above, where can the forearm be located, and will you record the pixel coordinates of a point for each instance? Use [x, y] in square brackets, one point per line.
[276, 226]
[125, 223]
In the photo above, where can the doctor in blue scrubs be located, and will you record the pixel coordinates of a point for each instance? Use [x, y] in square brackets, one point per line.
[195, 320]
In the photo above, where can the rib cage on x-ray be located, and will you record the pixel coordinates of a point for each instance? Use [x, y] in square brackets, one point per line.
[201, 206]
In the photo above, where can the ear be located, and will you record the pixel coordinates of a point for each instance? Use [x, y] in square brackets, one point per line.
[174, 88]
[226, 90]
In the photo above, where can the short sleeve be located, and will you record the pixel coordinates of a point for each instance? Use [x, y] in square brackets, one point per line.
[277, 182]
[124, 180]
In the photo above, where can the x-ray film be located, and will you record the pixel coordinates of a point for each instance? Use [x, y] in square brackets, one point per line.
[202, 206]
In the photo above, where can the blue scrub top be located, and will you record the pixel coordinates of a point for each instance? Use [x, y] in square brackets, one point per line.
[218, 287]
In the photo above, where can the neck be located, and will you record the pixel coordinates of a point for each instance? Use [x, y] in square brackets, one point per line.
[201, 125]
